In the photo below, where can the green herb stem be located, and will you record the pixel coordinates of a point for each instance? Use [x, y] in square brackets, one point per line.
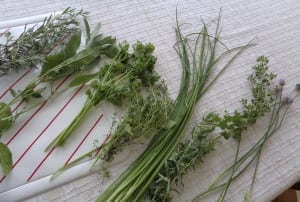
[279, 111]
[65, 134]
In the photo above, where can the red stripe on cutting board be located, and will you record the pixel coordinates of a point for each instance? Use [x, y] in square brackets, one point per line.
[82, 141]
[33, 115]
[12, 85]
[59, 85]
[18, 105]
[47, 126]
[40, 164]
[48, 154]
[26, 122]
[43, 131]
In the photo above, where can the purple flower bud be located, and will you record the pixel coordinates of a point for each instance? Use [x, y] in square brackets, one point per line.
[287, 100]
[281, 82]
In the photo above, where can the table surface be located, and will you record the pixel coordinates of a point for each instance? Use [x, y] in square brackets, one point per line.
[275, 27]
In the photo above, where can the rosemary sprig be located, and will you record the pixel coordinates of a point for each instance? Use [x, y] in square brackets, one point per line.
[33, 45]
[115, 82]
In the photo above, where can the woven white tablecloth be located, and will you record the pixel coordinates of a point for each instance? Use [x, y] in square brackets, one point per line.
[276, 28]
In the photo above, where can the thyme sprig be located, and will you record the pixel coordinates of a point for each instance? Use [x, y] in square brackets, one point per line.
[190, 153]
[144, 116]
[115, 82]
[35, 43]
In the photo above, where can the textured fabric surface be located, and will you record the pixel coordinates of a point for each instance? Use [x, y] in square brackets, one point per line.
[275, 25]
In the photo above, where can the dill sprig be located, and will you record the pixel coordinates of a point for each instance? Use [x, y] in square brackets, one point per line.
[115, 82]
[190, 154]
[35, 43]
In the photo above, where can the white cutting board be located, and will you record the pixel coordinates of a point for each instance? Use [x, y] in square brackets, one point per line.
[34, 130]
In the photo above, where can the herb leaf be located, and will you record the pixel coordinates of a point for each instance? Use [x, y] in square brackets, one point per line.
[5, 120]
[68, 51]
[5, 159]
[82, 79]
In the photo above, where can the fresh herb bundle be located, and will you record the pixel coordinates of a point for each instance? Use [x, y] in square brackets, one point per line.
[66, 62]
[115, 82]
[34, 44]
[144, 117]
[198, 64]
[189, 154]
[252, 156]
